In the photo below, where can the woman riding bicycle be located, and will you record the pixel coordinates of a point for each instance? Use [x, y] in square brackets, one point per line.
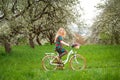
[53, 62]
[59, 41]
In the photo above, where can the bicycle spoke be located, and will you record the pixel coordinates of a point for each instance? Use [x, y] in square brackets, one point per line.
[47, 63]
[77, 62]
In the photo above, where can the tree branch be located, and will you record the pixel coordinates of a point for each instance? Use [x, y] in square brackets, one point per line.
[40, 14]
[13, 7]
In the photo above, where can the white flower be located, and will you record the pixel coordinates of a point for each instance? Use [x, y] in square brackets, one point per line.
[4, 29]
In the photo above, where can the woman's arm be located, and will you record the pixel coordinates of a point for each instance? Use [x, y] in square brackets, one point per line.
[64, 43]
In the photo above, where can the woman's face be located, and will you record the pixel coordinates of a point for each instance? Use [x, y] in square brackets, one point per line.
[63, 33]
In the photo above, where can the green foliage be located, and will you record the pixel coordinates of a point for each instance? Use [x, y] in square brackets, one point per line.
[104, 36]
[24, 63]
[108, 22]
[36, 19]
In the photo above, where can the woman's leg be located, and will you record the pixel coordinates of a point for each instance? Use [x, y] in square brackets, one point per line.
[63, 52]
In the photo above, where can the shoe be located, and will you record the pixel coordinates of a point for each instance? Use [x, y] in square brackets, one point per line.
[60, 66]
[60, 61]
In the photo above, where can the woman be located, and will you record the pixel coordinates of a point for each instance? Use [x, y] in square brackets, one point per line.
[59, 41]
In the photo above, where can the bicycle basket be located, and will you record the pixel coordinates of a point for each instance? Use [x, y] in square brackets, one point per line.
[76, 46]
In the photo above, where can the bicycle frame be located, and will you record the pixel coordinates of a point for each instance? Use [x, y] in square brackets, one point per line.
[64, 61]
[51, 61]
[68, 56]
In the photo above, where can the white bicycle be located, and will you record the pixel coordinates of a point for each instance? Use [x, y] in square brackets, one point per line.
[51, 62]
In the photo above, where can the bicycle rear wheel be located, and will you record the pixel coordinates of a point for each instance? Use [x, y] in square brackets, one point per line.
[48, 63]
[77, 62]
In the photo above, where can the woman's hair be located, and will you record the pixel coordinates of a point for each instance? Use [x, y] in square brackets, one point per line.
[60, 32]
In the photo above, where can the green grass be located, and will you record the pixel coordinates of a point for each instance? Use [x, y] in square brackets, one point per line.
[24, 63]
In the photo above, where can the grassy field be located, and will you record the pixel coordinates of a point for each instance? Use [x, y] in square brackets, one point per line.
[24, 63]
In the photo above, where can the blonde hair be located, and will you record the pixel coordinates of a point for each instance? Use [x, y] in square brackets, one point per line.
[60, 32]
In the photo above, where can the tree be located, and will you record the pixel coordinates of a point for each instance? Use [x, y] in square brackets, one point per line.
[35, 19]
[106, 28]
[9, 16]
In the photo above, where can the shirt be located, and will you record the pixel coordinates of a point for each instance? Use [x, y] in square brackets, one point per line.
[58, 43]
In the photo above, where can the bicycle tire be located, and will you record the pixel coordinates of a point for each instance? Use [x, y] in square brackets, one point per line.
[46, 63]
[77, 62]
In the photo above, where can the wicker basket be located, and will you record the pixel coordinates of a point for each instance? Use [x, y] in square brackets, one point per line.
[77, 47]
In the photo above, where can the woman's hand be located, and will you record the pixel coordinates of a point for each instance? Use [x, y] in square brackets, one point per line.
[64, 43]
[67, 44]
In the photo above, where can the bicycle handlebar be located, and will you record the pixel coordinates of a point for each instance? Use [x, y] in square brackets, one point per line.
[75, 46]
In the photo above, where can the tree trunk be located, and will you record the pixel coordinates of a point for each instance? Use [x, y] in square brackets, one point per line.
[32, 45]
[38, 41]
[51, 38]
[51, 41]
[7, 47]
[116, 35]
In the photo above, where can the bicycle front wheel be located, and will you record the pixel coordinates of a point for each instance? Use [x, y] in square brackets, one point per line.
[48, 63]
[77, 62]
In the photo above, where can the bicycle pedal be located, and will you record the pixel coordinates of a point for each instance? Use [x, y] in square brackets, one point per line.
[61, 65]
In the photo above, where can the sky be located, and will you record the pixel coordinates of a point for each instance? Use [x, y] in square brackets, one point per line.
[90, 10]
[89, 13]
